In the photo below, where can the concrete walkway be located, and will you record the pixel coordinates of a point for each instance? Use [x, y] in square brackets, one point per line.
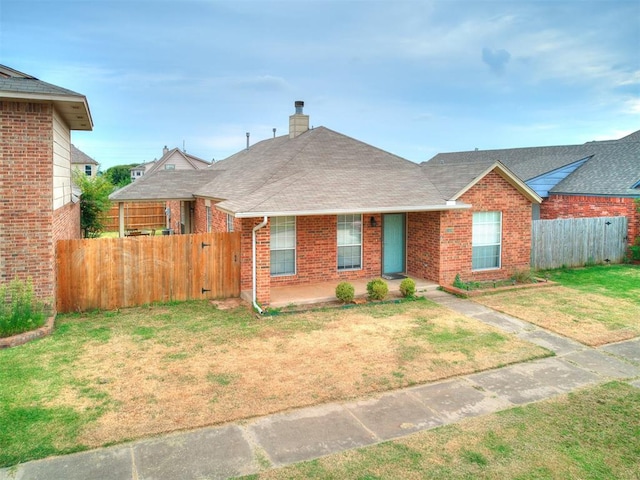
[247, 447]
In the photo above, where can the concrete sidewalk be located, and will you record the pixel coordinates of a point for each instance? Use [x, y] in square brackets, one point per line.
[276, 440]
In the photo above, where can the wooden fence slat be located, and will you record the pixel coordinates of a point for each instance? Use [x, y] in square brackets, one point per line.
[577, 241]
[110, 273]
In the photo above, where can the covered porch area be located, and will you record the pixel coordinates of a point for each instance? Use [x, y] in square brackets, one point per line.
[326, 291]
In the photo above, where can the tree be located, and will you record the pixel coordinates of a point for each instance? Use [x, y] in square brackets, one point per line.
[94, 203]
[119, 175]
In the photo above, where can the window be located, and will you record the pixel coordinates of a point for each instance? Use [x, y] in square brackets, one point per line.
[87, 170]
[169, 166]
[486, 239]
[208, 210]
[283, 245]
[349, 242]
[138, 173]
[229, 223]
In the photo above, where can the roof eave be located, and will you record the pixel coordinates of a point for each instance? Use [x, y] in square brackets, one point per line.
[155, 199]
[66, 104]
[341, 211]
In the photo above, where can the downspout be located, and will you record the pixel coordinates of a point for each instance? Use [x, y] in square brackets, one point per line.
[253, 246]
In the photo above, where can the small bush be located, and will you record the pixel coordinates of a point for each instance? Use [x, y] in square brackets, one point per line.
[377, 289]
[523, 276]
[345, 292]
[20, 311]
[458, 283]
[408, 288]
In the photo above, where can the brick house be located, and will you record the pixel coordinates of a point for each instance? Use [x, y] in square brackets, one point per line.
[316, 206]
[596, 179]
[37, 202]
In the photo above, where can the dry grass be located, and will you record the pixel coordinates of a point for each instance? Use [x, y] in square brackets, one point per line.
[589, 318]
[159, 382]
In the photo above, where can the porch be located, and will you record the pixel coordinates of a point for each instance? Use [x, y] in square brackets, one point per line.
[326, 291]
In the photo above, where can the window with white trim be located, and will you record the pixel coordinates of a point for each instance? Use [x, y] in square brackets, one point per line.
[486, 240]
[209, 222]
[283, 245]
[87, 170]
[349, 242]
[229, 223]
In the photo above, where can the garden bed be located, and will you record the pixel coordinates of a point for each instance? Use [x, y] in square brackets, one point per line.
[24, 337]
[486, 288]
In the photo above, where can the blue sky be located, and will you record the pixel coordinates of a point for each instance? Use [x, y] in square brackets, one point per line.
[411, 77]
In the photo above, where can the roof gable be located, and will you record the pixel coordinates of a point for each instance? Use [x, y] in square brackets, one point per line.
[180, 161]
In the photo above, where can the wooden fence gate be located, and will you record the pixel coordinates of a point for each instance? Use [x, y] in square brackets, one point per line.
[110, 273]
[575, 242]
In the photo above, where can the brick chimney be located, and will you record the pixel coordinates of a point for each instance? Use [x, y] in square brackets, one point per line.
[298, 122]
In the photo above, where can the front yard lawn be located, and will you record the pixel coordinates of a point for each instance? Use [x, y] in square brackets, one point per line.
[589, 434]
[595, 305]
[103, 378]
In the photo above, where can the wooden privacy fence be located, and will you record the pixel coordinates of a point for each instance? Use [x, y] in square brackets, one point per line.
[574, 242]
[136, 216]
[109, 273]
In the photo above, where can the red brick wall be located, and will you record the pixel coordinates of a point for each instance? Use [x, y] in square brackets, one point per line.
[440, 243]
[317, 251]
[263, 254]
[218, 218]
[316, 254]
[66, 222]
[492, 193]
[174, 222]
[580, 206]
[26, 192]
[423, 245]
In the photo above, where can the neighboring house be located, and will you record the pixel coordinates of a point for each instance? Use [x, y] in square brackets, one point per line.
[179, 218]
[173, 159]
[139, 171]
[316, 206]
[37, 205]
[590, 180]
[83, 162]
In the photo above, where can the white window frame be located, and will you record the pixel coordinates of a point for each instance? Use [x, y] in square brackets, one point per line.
[352, 219]
[229, 222]
[274, 224]
[478, 243]
[170, 166]
[209, 219]
[88, 171]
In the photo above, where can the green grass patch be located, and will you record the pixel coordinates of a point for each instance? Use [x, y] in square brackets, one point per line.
[617, 281]
[20, 311]
[590, 434]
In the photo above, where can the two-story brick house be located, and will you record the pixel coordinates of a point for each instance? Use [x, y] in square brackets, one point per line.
[37, 202]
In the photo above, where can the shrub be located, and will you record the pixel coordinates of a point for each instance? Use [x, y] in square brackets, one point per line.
[377, 289]
[523, 276]
[20, 311]
[408, 288]
[345, 292]
[458, 283]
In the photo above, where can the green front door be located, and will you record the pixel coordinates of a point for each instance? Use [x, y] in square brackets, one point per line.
[393, 249]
